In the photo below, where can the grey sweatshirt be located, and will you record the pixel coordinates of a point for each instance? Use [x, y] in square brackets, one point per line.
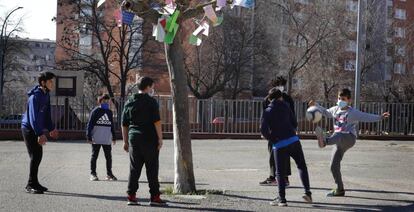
[345, 121]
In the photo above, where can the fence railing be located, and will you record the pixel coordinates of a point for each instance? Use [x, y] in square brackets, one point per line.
[211, 116]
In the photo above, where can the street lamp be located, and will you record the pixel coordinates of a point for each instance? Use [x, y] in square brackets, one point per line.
[3, 41]
[360, 29]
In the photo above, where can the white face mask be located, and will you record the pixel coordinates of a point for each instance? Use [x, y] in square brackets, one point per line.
[280, 88]
[152, 92]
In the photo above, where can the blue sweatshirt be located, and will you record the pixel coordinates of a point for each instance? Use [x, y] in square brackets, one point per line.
[38, 115]
[100, 127]
[278, 122]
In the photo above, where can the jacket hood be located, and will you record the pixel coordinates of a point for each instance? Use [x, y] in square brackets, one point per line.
[35, 90]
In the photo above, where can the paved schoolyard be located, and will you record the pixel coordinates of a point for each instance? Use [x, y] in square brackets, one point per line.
[379, 176]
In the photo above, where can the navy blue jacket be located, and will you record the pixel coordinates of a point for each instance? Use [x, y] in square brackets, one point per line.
[38, 115]
[278, 122]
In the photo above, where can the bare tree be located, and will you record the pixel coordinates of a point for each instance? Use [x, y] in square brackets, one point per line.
[309, 25]
[8, 48]
[98, 45]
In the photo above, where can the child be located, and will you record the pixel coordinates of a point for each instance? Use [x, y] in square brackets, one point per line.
[100, 133]
[278, 126]
[279, 83]
[142, 135]
[346, 119]
[36, 119]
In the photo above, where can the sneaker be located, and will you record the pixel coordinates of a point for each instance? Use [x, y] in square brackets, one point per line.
[269, 182]
[94, 177]
[336, 193]
[132, 200]
[279, 202]
[111, 178]
[320, 134]
[33, 190]
[42, 188]
[157, 201]
[308, 198]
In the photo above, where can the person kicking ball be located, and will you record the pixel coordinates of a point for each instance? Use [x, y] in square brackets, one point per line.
[346, 118]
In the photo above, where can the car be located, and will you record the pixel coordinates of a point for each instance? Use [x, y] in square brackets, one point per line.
[12, 119]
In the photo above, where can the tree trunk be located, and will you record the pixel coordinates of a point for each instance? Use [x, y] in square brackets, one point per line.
[290, 82]
[184, 181]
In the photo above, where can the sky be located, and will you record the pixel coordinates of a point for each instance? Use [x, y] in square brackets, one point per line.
[38, 14]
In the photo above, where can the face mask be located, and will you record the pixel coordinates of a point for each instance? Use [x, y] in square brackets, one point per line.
[105, 106]
[152, 92]
[342, 104]
[280, 88]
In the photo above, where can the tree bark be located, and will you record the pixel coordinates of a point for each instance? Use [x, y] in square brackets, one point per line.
[184, 181]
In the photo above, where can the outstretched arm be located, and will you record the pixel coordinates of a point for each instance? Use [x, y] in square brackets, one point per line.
[367, 117]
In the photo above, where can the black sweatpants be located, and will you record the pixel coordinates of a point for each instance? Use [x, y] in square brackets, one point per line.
[35, 151]
[143, 152]
[272, 165]
[108, 156]
[281, 156]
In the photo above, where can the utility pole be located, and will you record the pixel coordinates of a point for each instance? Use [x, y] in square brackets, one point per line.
[3, 42]
[360, 30]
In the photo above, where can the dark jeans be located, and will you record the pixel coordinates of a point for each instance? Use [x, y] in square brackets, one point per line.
[272, 165]
[143, 152]
[35, 151]
[281, 156]
[108, 156]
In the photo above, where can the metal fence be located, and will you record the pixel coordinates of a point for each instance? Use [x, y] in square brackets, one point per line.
[212, 116]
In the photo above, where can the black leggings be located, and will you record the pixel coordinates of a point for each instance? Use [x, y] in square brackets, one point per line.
[35, 151]
[108, 156]
[281, 156]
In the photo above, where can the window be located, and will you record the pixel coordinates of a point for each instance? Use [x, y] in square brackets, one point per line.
[400, 51]
[47, 57]
[349, 65]
[400, 14]
[352, 5]
[302, 1]
[399, 68]
[399, 32]
[37, 45]
[351, 46]
[39, 68]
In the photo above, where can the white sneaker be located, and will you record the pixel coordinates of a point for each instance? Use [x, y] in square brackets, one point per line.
[320, 134]
[94, 178]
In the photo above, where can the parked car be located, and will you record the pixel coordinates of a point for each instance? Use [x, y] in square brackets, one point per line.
[12, 119]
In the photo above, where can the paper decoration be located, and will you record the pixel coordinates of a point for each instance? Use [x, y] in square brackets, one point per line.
[221, 3]
[100, 2]
[127, 17]
[210, 13]
[172, 21]
[244, 3]
[206, 28]
[194, 40]
[219, 21]
[170, 8]
[118, 17]
[169, 37]
[158, 31]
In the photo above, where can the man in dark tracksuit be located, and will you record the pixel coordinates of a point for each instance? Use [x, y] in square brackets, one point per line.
[142, 135]
[279, 83]
[279, 127]
[37, 119]
[100, 132]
